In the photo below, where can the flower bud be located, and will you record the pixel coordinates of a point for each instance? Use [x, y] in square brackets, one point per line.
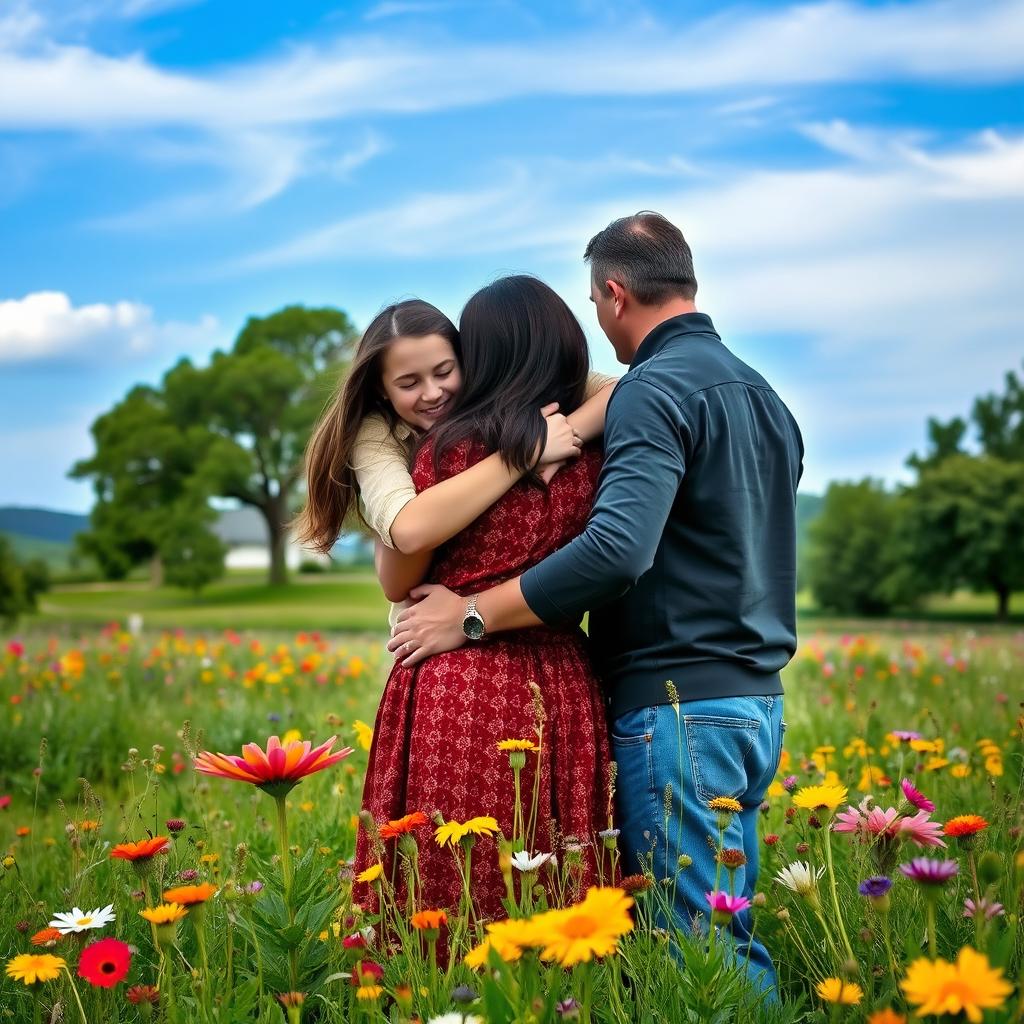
[759, 899]
[990, 868]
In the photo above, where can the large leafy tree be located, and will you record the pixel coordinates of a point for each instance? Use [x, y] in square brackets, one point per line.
[235, 429]
[19, 583]
[963, 525]
[260, 401]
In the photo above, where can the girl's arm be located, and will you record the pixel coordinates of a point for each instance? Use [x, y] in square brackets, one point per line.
[399, 573]
[588, 419]
[439, 512]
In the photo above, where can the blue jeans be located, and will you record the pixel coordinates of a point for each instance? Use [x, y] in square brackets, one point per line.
[726, 746]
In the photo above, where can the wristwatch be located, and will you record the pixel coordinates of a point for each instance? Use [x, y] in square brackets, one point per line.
[473, 622]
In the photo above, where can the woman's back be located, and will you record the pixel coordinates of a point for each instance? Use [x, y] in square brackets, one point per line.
[519, 530]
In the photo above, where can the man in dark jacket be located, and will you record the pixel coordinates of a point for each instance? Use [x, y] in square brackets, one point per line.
[688, 566]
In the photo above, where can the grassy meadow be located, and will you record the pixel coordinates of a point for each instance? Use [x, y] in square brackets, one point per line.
[100, 730]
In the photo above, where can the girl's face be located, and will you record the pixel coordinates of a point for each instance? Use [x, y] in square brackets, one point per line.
[420, 377]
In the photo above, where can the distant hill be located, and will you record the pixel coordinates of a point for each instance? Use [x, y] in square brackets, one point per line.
[42, 523]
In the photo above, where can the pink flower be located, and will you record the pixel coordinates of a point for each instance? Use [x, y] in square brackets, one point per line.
[723, 903]
[867, 822]
[15, 648]
[5, 802]
[920, 829]
[916, 797]
[930, 872]
[984, 908]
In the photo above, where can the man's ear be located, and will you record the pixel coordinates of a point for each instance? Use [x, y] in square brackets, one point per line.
[618, 293]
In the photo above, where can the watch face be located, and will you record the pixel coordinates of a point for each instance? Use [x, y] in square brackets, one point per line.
[473, 627]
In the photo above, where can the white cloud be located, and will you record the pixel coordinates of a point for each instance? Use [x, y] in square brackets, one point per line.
[46, 325]
[75, 88]
[397, 8]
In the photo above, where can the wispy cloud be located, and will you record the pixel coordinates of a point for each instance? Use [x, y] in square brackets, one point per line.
[47, 325]
[398, 8]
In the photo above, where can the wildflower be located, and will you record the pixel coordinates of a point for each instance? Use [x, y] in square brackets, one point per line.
[835, 990]
[164, 913]
[403, 825]
[511, 745]
[875, 886]
[886, 1016]
[507, 938]
[819, 798]
[588, 929]
[635, 883]
[428, 920]
[732, 859]
[105, 963]
[277, 770]
[174, 825]
[522, 861]
[367, 972]
[143, 850]
[800, 878]
[47, 937]
[291, 998]
[930, 872]
[369, 992]
[453, 832]
[965, 826]
[723, 906]
[5, 801]
[253, 888]
[364, 734]
[456, 1018]
[969, 986]
[31, 968]
[904, 735]
[371, 874]
[983, 908]
[139, 994]
[187, 895]
[76, 920]
[921, 830]
[789, 783]
[771, 839]
[916, 797]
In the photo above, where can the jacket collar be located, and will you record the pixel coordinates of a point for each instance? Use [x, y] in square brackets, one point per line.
[675, 327]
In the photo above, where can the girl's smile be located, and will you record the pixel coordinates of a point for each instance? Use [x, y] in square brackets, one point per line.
[420, 377]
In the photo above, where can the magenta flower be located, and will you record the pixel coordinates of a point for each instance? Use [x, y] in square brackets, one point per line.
[726, 905]
[983, 908]
[867, 822]
[925, 871]
[916, 797]
[920, 829]
[905, 735]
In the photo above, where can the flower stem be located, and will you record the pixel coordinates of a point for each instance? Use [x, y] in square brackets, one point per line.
[286, 872]
[81, 1009]
[835, 897]
[930, 917]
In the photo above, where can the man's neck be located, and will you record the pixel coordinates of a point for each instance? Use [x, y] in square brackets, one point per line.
[649, 317]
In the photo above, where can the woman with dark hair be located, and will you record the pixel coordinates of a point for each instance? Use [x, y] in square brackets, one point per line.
[436, 741]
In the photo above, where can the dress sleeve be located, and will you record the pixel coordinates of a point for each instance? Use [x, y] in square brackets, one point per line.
[380, 462]
[596, 381]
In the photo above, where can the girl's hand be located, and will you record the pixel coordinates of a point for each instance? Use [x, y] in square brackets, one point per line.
[548, 471]
[562, 440]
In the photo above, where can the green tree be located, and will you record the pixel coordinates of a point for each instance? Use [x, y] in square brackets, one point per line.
[260, 401]
[851, 559]
[964, 525]
[19, 584]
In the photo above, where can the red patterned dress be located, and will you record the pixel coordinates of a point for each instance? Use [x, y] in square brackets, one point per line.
[438, 725]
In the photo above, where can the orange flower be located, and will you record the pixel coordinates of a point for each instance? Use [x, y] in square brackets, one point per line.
[394, 829]
[186, 895]
[428, 919]
[887, 1016]
[46, 937]
[276, 770]
[142, 850]
[965, 825]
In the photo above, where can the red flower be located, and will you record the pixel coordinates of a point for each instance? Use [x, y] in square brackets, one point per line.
[105, 963]
[367, 973]
[5, 802]
[142, 850]
[394, 829]
[356, 941]
[143, 994]
[279, 768]
[771, 839]
[965, 825]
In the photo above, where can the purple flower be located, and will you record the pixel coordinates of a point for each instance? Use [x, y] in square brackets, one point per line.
[789, 783]
[254, 887]
[930, 872]
[875, 886]
[905, 735]
[568, 1009]
[983, 908]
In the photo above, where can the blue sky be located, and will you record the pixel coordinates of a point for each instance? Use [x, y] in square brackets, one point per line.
[850, 176]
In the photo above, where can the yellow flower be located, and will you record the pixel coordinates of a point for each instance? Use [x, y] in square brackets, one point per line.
[960, 771]
[452, 832]
[510, 745]
[364, 734]
[33, 967]
[924, 746]
[481, 826]
[725, 803]
[969, 986]
[776, 789]
[816, 798]
[994, 765]
[371, 874]
[933, 764]
[835, 990]
[369, 992]
[508, 939]
[886, 1016]
[588, 929]
[165, 913]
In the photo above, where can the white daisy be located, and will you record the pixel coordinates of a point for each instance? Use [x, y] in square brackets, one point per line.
[800, 877]
[78, 920]
[455, 1018]
[522, 861]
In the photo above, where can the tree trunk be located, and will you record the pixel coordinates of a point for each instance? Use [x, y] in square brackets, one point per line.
[156, 571]
[277, 532]
[1003, 594]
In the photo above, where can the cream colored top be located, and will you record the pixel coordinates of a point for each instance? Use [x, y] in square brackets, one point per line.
[380, 461]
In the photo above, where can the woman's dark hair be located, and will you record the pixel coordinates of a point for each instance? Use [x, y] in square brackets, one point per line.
[331, 487]
[521, 349]
[648, 254]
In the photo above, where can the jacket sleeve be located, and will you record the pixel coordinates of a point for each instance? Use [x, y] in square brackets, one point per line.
[647, 441]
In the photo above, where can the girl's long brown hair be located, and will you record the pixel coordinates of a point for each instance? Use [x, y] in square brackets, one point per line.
[331, 488]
